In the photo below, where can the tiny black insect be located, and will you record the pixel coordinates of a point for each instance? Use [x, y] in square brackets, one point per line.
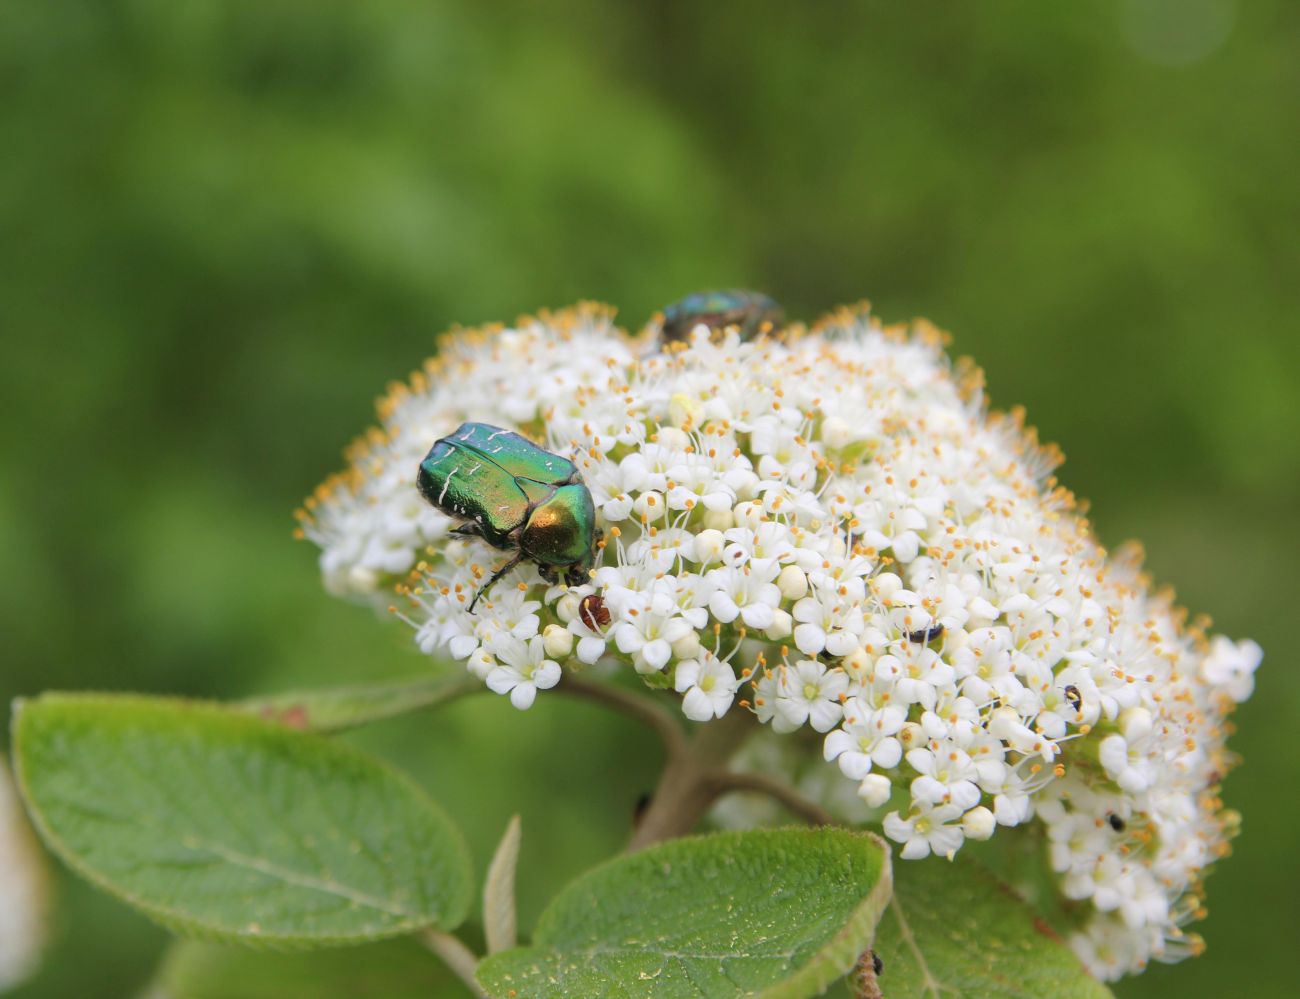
[925, 634]
[1116, 822]
[1074, 697]
[863, 980]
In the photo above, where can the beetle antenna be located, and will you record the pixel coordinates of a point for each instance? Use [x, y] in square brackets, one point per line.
[495, 576]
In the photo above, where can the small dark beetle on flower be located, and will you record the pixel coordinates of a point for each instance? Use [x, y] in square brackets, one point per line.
[751, 312]
[1074, 697]
[925, 634]
[516, 497]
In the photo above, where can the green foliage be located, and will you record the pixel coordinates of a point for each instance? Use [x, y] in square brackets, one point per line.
[781, 913]
[394, 969]
[953, 929]
[224, 227]
[221, 825]
[336, 709]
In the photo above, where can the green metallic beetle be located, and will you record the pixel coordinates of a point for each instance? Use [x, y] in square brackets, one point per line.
[516, 497]
[751, 311]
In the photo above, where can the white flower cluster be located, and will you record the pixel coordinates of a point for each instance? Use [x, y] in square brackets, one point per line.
[22, 889]
[829, 529]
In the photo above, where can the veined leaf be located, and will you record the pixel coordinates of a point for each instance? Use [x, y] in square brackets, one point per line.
[955, 930]
[219, 824]
[779, 913]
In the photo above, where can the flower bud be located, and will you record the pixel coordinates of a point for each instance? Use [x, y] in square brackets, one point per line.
[362, 580]
[709, 545]
[557, 641]
[836, 433]
[781, 627]
[1135, 724]
[719, 520]
[481, 662]
[792, 583]
[748, 514]
[858, 664]
[566, 608]
[649, 505]
[687, 647]
[886, 585]
[978, 823]
[673, 439]
[875, 789]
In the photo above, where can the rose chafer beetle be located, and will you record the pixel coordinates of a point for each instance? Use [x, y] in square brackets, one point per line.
[751, 312]
[515, 496]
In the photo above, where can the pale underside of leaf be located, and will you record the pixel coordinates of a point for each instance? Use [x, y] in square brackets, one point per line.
[342, 708]
[499, 919]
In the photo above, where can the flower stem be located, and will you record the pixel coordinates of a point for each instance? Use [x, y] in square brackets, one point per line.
[638, 706]
[688, 786]
[726, 781]
[457, 956]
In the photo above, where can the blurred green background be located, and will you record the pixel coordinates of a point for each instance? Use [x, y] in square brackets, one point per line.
[224, 227]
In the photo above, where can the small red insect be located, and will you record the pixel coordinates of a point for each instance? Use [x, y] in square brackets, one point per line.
[593, 612]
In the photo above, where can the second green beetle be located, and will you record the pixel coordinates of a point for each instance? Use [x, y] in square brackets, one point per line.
[751, 312]
[515, 496]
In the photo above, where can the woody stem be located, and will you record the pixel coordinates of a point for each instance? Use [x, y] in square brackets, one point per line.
[689, 785]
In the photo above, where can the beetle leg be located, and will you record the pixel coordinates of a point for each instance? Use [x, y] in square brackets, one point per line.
[469, 529]
[575, 576]
[547, 572]
[495, 576]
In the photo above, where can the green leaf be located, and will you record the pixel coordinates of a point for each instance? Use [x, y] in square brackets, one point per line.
[394, 969]
[771, 912]
[219, 824]
[342, 708]
[953, 929]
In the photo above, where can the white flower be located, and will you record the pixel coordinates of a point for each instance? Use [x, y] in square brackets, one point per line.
[866, 740]
[846, 492]
[709, 685]
[1124, 766]
[647, 632]
[557, 641]
[1231, 666]
[947, 775]
[830, 619]
[808, 692]
[523, 670]
[875, 789]
[978, 823]
[747, 592]
[591, 640]
[613, 484]
[926, 830]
